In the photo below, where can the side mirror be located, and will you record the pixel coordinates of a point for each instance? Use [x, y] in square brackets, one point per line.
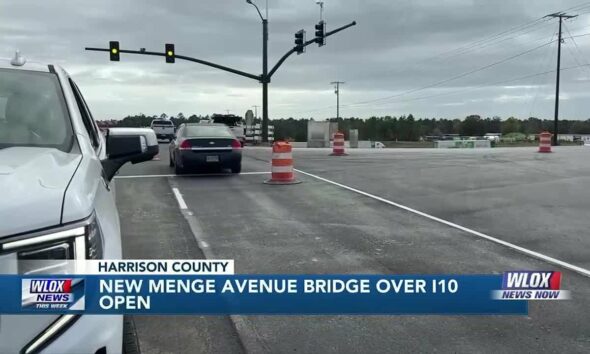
[128, 145]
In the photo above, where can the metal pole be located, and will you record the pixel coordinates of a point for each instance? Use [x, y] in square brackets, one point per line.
[265, 80]
[337, 101]
[337, 83]
[556, 118]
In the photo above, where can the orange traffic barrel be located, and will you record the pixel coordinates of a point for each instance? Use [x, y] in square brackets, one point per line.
[338, 146]
[545, 142]
[281, 170]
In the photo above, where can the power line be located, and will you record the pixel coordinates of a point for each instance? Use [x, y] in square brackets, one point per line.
[471, 88]
[358, 103]
[501, 34]
[488, 38]
[536, 83]
[439, 82]
[577, 48]
[484, 85]
[457, 76]
[488, 84]
[512, 30]
[495, 41]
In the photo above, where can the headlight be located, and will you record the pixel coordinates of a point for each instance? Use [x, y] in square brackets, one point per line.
[51, 252]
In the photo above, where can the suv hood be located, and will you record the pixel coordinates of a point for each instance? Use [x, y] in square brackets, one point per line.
[33, 181]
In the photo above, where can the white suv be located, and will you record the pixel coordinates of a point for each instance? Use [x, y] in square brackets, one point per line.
[58, 198]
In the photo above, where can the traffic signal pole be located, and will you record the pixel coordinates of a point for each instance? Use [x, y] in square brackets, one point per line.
[264, 78]
[311, 41]
[183, 57]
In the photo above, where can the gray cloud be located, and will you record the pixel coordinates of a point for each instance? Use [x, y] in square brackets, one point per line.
[395, 48]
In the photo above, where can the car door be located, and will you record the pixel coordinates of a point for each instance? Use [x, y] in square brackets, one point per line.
[104, 192]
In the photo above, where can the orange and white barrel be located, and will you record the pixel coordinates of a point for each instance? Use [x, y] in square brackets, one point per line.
[545, 142]
[281, 170]
[338, 145]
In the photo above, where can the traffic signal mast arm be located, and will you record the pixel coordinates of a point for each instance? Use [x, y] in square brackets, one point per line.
[311, 41]
[217, 66]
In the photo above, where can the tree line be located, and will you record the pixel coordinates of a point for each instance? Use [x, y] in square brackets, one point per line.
[389, 128]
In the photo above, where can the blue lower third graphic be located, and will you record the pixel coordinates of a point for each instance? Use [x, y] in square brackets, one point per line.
[258, 294]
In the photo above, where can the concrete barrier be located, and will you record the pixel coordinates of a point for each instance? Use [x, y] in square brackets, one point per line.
[462, 144]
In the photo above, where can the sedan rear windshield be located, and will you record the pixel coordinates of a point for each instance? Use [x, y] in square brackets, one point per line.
[32, 111]
[208, 131]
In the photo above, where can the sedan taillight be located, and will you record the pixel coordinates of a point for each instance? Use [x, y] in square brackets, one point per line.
[236, 144]
[185, 145]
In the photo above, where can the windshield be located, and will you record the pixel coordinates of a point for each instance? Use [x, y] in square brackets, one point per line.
[162, 122]
[209, 131]
[32, 111]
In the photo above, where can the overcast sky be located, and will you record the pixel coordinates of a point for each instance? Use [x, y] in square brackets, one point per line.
[398, 48]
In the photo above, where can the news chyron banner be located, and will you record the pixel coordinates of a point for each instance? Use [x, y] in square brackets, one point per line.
[210, 287]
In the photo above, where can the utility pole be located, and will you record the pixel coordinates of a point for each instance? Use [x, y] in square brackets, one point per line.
[255, 111]
[560, 16]
[337, 92]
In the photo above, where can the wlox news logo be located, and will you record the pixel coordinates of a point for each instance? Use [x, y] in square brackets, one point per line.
[531, 285]
[53, 294]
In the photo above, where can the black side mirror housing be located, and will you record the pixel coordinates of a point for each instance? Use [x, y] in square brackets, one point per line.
[124, 145]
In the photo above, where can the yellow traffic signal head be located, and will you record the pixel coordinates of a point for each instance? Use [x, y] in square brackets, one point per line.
[114, 50]
[169, 50]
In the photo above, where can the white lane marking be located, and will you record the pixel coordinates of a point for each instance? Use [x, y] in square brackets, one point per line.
[179, 199]
[143, 176]
[580, 270]
[193, 175]
[246, 334]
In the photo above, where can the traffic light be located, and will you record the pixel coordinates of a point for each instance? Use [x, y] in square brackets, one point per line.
[114, 50]
[320, 33]
[300, 41]
[170, 54]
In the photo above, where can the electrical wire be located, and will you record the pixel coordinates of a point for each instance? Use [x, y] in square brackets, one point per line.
[456, 77]
[586, 71]
[537, 82]
[483, 43]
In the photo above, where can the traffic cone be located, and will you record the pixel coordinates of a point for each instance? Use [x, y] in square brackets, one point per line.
[545, 142]
[338, 147]
[281, 171]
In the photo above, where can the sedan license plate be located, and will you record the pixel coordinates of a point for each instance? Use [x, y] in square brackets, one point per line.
[213, 158]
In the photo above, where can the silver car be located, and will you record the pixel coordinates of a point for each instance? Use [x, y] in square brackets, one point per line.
[205, 146]
[58, 202]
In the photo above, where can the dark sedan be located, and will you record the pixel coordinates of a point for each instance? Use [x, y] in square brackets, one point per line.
[205, 146]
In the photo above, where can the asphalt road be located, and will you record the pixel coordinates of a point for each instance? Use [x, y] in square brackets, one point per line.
[535, 201]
